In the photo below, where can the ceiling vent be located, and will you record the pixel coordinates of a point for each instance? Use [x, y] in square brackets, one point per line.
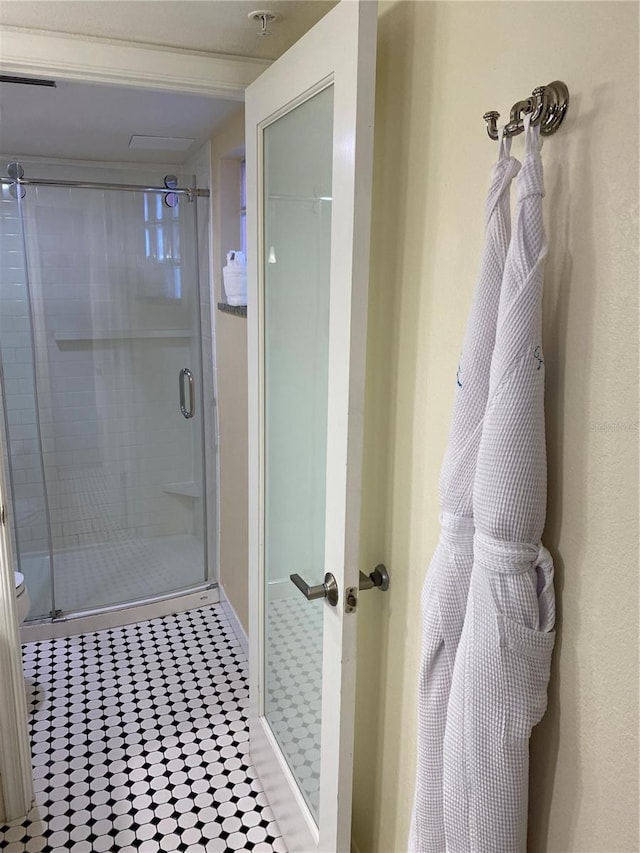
[161, 143]
[27, 81]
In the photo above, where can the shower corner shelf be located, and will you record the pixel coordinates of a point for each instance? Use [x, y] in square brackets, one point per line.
[236, 310]
[185, 490]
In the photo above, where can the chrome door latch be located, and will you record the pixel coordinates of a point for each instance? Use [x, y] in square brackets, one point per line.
[378, 578]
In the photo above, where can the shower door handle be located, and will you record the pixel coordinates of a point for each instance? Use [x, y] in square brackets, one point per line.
[185, 373]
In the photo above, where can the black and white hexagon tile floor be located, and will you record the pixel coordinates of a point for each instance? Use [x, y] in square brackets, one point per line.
[140, 743]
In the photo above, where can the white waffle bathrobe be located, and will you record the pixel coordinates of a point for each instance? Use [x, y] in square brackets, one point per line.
[499, 687]
[444, 597]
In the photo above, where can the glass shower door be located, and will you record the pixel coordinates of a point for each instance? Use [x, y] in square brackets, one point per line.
[28, 509]
[117, 327]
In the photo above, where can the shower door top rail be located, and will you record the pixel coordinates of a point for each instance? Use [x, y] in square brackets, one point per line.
[190, 192]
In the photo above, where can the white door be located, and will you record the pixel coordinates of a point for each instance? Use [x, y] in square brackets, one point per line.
[309, 129]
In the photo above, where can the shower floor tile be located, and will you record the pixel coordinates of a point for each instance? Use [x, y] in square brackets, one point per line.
[99, 575]
[140, 742]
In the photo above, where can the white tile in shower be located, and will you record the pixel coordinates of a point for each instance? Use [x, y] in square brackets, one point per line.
[122, 570]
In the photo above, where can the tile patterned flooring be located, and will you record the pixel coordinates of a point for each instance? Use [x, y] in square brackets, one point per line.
[294, 689]
[140, 743]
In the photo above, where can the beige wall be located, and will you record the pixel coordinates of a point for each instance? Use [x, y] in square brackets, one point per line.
[227, 148]
[441, 66]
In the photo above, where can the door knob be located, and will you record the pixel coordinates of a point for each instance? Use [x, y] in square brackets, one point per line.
[328, 589]
[379, 578]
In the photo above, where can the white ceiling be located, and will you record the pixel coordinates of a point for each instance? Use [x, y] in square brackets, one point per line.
[95, 122]
[92, 122]
[212, 26]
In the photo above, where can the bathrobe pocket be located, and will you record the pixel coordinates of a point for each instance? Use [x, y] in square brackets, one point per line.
[526, 663]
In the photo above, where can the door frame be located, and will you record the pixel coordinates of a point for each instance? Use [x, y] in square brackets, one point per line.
[70, 57]
[16, 783]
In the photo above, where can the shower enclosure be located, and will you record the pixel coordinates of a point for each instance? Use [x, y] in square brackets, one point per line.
[103, 401]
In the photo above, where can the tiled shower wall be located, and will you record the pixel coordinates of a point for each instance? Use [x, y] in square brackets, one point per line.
[111, 335]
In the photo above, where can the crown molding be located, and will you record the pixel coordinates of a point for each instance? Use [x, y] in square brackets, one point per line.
[69, 57]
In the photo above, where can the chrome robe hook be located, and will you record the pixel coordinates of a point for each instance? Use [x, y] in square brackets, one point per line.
[547, 104]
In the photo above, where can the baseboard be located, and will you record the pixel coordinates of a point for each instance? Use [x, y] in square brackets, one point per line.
[232, 616]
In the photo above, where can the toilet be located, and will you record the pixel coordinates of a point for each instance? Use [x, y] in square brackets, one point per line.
[22, 596]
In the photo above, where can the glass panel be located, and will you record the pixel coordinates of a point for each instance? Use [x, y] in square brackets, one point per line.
[23, 459]
[297, 243]
[116, 317]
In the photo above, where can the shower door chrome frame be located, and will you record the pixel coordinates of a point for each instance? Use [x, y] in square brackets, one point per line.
[210, 455]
